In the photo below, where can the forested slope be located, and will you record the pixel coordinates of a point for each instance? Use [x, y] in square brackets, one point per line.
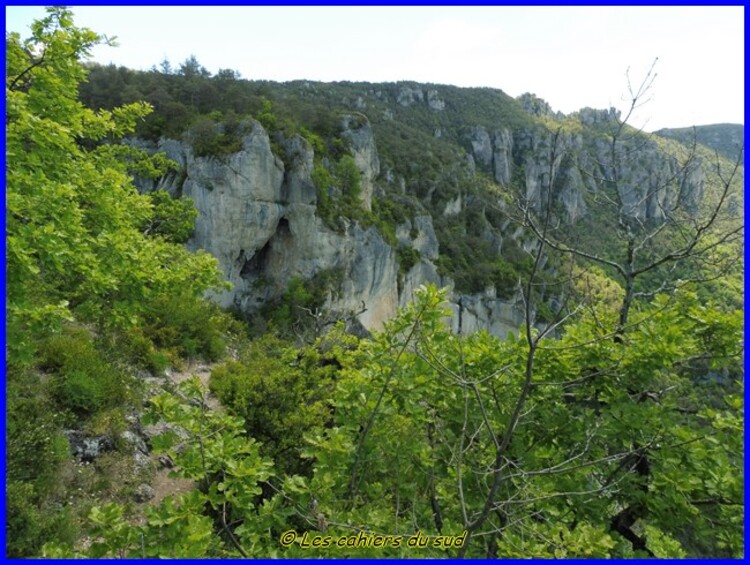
[363, 410]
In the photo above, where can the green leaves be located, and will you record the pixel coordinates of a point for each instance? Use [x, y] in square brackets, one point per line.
[75, 222]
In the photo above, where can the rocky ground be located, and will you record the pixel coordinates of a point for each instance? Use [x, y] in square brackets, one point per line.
[132, 472]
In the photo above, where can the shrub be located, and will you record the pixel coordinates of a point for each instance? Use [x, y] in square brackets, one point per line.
[281, 393]
[171, 218]
[317, 143]
[291, 314]
[505, 278]
[35, 448]
[30, 526]
[140, 351]
[407, 258]
[208, 141]
[84, 381]
[348, 177]
[189, 326]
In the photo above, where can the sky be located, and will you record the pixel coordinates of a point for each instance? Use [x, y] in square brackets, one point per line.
[572, 57]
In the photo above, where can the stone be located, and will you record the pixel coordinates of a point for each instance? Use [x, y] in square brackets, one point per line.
[481, 146]
[257, 214]
[453, 207]
[135, 441]
[88, 448]
[407, 95]
[502, 156]
[143, 493]
[141, 460]
[165, 461]
[298, 186]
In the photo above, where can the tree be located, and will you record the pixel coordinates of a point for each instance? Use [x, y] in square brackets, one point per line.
[660, 227]
[87, 258]
[75, 244]
[192, 68]
[654, 206]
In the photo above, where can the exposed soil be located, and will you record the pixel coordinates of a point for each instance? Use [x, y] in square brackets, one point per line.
[162, 483]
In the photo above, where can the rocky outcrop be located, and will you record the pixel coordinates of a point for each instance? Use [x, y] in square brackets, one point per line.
[407, 96]
[434, 102]
[576, 169]
[726, 139]
[502, 156]
[453, 207]
[357, 131]
[256, 215]
[493, 153]
[481, 146]
[88, 448]
[534, 105]
[472, 313]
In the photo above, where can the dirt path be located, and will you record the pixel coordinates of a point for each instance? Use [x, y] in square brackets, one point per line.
[203, 372]
[162, 483]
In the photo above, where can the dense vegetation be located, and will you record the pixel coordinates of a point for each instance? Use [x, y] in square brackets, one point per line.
[611, 428]
[94, 275]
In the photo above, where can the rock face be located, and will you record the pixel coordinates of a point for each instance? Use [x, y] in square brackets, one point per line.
[357, 130]
[257, 213]
[257, 217]
[408, 96]
[726, 139]
[434, 102]
[493, 153]
[472, 313]
[647, 184]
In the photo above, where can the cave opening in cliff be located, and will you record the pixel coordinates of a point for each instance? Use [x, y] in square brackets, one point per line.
[282, 229]
[257, 263]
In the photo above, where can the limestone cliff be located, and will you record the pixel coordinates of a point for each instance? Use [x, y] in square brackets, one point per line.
[259, 209]
[257, 216]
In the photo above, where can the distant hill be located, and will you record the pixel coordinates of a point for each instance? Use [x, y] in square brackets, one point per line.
[726, 139]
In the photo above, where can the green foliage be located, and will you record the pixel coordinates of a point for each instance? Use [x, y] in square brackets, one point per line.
[338, 190]
[87, 259]
[82, 379]
[298, 310]
[281, 392]
[73, 216]
[29, 526]
[213, 452]
[188, 326]
[347, 177]
[318, 144]
[266, 116]
[213, 136]
[35, 448]
[407, 257]
[404, 408]
[569, 446]
[172, 218]
[419, 412]
[293, 305]
[323, 181]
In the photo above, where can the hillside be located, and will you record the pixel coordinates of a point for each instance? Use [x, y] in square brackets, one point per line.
[251, 319]
[442, 173]
[726, 139]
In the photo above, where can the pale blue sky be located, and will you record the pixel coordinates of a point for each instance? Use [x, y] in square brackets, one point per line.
[570, 56]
